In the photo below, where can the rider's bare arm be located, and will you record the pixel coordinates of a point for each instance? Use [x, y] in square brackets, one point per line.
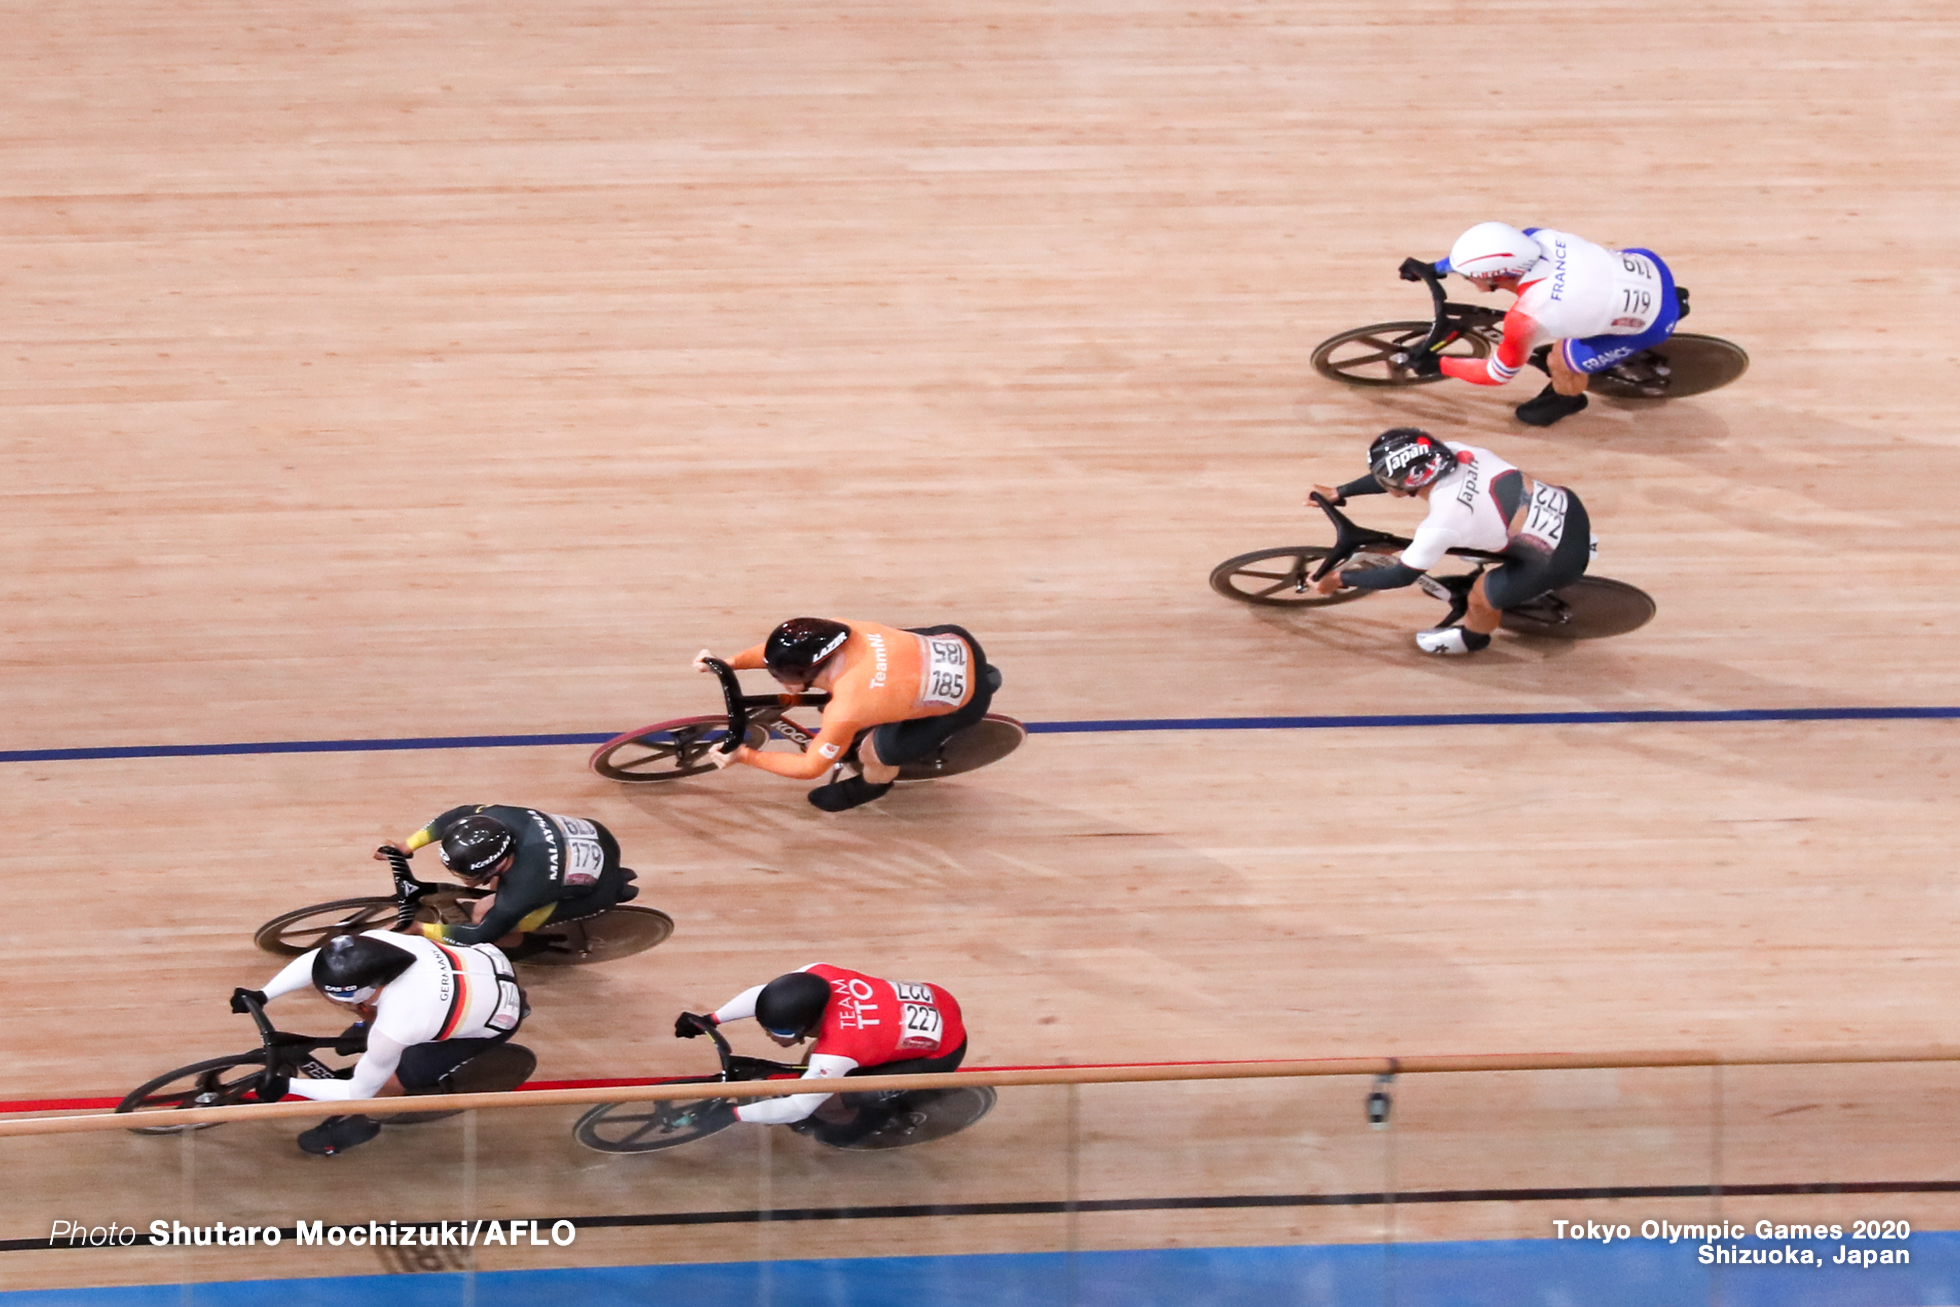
[749, 660]
[1520, 338]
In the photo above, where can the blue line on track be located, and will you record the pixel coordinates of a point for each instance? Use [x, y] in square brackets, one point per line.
[1355, 722]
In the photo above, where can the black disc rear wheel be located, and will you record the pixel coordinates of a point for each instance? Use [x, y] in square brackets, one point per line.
[921, 1116]
[1683, 364]
[496, 1070]
[1591, 608]
[616, 933]
[988, 740]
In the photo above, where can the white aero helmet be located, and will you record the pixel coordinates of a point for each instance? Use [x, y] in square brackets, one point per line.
[1494, 249]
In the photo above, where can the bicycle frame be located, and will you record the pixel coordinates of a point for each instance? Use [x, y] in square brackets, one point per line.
[409, 891]
[1350, 539]
[763, 710]
[280, 1047]
[740, 1066]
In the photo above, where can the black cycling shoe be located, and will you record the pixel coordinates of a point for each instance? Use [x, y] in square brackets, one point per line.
[840, 796]
[1548, 406]
[337, 1134]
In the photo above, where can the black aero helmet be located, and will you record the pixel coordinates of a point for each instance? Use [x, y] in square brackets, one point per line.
[799, 646]
[792, 1005]
[475, 844]
[1408, 458]
[350, 968]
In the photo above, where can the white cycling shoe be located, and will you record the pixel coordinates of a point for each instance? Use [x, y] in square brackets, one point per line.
[1451, 640]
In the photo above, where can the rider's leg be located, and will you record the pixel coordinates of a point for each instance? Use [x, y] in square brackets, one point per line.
[1481, 617]
[1566, 380]
[876, 770]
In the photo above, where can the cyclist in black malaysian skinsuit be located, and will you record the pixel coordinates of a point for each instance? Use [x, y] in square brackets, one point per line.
[542, 867]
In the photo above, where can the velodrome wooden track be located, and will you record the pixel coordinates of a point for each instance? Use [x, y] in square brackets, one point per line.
[461, 369]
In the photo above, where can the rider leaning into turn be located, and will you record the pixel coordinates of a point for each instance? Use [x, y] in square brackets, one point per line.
[1476, 501]
[895, 697]
[863, 1026]
[424, 1008]
[542, 867]
[1594, 305]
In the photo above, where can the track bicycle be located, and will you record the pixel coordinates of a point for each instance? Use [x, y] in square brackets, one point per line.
[670, 750]
[897, 1118]
[1589, 608]
[1381, 355]
[615, 933]
[245, 1077]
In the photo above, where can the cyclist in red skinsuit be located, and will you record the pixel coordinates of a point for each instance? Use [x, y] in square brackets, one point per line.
[895, 696]
[862, 1026]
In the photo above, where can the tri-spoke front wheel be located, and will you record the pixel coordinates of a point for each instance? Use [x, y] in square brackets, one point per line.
[1367, 356]
[1282, 578]
[293, 933]
[648, 1127]
[665, 751]
[219, 1082]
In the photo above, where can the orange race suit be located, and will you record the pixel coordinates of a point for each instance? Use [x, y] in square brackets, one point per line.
[882, 675]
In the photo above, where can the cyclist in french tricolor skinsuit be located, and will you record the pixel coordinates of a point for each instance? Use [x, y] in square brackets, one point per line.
[1598, 305]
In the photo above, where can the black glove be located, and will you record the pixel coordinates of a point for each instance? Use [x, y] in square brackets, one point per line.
[690, 1024]
[1425, 363]
[1412, 269]
[238, 997]
[352, 1040]
[272, 1087]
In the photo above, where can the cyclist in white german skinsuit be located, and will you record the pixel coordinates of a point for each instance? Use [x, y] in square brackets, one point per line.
[1598, 305]
[427, 1009]
[1476, 501]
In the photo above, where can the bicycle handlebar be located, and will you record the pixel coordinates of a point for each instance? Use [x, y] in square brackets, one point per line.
[408, 890]
[1414, 269]
[1348, 537]
[738, 709]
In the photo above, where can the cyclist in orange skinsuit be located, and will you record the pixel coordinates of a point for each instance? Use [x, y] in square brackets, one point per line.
[895, 696]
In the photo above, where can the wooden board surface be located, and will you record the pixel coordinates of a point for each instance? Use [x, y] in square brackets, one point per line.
[441, 370]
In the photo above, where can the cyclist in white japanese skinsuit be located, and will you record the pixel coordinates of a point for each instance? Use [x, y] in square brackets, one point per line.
[1476, 501]
[1597, 306]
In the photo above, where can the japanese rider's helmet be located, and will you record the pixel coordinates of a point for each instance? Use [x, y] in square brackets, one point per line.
[352, 968]
[475, 845]
[797, 648]
[1408, 458]
[1494, 249]
[791, 1006]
